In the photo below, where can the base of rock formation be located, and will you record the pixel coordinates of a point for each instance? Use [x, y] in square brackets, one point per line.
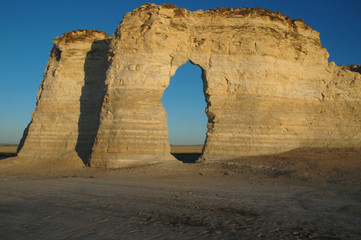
[124, 160]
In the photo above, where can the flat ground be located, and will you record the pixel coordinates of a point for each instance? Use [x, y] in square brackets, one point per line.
[7, 151]
[301, 194]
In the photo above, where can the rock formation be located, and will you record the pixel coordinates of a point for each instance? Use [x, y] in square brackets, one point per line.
[268, 85]
[353, 67]
[70, 97]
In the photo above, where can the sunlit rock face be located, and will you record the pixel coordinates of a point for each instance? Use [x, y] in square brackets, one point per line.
[66, 118]
[268, 85]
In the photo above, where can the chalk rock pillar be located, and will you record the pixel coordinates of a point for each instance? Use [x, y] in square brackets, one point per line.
[133, 126]
[66, 118]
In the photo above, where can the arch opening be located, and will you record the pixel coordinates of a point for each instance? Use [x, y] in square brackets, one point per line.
[185, 104]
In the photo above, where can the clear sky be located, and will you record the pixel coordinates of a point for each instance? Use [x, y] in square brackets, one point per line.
[28, 28]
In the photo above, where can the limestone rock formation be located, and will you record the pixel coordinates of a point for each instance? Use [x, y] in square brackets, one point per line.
[69, 100]
[267, 81]
[353, 67]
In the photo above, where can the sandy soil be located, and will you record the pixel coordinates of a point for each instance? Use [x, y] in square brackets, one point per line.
[302, 194]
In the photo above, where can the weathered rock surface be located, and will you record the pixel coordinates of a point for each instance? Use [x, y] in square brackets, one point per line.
[66, 118]
[267, 81]
[353, 67]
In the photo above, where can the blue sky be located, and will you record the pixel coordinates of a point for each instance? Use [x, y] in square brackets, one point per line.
[28, 28]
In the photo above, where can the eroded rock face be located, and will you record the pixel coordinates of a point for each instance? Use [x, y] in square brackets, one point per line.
[267, 81]
[69, 100]
[353, 67]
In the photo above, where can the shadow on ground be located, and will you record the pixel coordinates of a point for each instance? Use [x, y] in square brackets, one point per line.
[187, 157]
[7, 155]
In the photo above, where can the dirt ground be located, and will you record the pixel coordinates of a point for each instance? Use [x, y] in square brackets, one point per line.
[301, 194]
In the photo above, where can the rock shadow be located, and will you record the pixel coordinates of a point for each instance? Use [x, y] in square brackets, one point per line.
[22, 141]
[6, 155]
[187, 157]
[92, 97]
[319, 164]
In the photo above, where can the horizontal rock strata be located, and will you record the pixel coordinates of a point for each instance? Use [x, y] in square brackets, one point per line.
[268, 85]
[267, 82]
[66, 118]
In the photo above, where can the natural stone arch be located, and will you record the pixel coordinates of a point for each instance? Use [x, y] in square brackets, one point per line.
[267, 80]
[268, 85]
[133, 126]
[185, 103]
